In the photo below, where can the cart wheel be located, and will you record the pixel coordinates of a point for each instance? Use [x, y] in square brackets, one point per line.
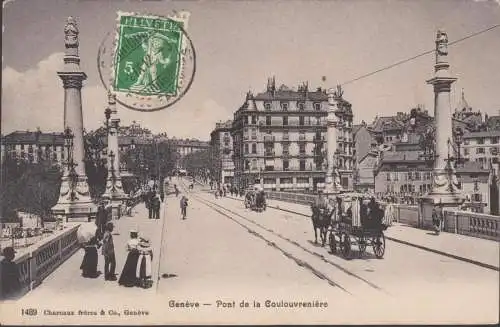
[361, 246]
[346, 246]
[333, 243]
[379, 245]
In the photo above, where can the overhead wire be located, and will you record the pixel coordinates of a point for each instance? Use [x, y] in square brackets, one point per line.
[419, 55]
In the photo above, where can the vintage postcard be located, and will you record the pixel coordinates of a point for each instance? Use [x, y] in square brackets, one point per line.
[250, 162]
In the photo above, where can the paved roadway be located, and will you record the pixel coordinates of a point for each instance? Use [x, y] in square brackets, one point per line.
[223, 252]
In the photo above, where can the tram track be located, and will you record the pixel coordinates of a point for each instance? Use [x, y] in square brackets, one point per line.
[253, 228]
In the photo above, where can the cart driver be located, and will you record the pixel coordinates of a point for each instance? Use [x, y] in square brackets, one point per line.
[320, 203]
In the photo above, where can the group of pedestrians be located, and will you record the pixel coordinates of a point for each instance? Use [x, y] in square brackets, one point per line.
[153, 203]
[91, 258]
[137, 268]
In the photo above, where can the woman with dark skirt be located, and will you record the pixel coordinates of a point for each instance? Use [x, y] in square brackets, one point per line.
[143, 272]
[89, 263]
[128, 276]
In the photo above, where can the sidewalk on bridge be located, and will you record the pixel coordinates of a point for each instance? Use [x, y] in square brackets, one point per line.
[482, 252]
[67, 277]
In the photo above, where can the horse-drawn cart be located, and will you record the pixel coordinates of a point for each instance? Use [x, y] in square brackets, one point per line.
[360, 224]
[255, 199]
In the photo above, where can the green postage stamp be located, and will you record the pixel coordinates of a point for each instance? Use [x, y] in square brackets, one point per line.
[148, 55]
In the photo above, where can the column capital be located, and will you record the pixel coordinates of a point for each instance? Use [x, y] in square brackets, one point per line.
[442, 84]
[72, 79]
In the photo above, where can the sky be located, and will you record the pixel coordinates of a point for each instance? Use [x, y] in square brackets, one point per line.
[239, 44]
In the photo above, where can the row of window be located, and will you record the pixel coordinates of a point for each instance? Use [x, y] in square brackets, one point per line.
[493, 140]
[31, 157]
[285, 106]
[409, 176]
[31, 147]
[302, 134]
[253, 165]
[269, 150]
[409, 188]
[303, 121]
[492, 150]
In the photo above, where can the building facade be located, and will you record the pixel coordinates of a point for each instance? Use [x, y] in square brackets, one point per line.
[33, 146]
[279, 139]
[482, 147]
[221, 150]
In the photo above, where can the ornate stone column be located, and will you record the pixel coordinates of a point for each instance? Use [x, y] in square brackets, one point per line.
[74, 200]
[445, 191]
[332, 180]
[114, 190]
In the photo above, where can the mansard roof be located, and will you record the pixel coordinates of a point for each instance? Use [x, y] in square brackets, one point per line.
[27, 137]
[292, 95]
[386, 123]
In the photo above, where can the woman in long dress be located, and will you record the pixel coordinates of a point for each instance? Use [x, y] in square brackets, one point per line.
[89, 262]
[143, 272]
[128, 276]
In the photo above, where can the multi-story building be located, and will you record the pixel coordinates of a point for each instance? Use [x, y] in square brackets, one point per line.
[279, 139]
[187, 146]
[33, 146]
[221, 150]
[482, 147]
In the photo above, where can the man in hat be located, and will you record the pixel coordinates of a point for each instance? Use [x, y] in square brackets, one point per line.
[108, 251]
[101, 219]
[10, 274]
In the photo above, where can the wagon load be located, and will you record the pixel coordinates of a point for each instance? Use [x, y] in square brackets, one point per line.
[361, 222]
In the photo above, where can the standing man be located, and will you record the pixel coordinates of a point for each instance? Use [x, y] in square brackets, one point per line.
[184, 204]
[151, 208]
[156, 205]
[101, 219]
[108, 251]
[162, 193]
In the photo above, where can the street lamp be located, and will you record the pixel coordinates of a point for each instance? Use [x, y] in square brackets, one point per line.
[107, 114]
[112, 171]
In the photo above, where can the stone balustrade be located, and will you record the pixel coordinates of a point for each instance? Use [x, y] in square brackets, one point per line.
[39, 261]
[455, 221]
[305, 199]
[472, 224]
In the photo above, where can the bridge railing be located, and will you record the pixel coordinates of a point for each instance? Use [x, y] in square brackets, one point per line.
[455, 221]
[37, 264]
[472, 224]
[305, 199]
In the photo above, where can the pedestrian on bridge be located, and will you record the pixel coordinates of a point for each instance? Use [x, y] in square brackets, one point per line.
[156, 207]
[108, 251]
[90, 259]
[162, 194]
[151, 205]
[101, 219]
[184, 205]
[128, 276]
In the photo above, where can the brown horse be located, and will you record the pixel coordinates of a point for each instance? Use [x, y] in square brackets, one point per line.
[321, 220]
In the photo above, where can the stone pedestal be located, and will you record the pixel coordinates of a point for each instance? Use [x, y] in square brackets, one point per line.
[445, 192]
[74, 201]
